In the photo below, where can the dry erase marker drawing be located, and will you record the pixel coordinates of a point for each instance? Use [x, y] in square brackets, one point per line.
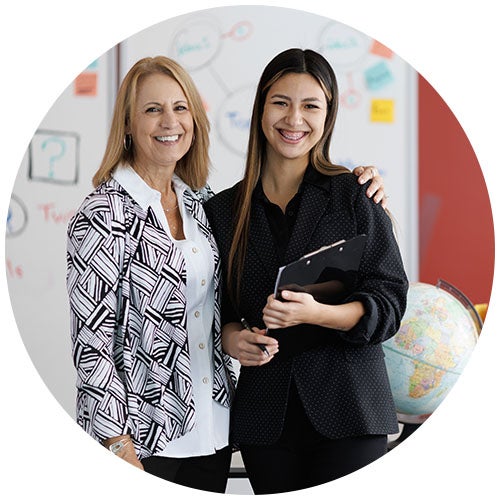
[351, 97]
[17, 217]
[240, 31]
[52, 214]
[343, 45]
[53, 157]
[14, 270]
[196, 43]
[233, 120]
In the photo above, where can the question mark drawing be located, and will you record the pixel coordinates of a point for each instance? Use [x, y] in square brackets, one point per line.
[55, 156]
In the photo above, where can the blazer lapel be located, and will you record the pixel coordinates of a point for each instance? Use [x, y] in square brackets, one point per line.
[312, 206]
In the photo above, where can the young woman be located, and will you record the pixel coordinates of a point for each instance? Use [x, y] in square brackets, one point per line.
[319, 406]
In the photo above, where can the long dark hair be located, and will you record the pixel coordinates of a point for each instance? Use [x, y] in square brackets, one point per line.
[290, 61]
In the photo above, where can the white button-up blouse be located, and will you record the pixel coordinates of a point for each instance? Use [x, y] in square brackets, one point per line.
[211, 428]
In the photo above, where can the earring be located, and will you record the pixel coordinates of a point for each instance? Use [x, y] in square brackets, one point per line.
[127, 142]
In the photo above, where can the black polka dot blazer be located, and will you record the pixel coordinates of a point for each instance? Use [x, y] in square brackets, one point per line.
[340, 376]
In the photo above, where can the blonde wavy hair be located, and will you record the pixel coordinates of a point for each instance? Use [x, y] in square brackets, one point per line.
[194, 167]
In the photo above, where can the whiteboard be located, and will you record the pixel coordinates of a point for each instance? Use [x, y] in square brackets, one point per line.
[225, 50]
[53, 178]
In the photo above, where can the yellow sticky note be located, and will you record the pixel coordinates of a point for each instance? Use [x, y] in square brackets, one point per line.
[382, 110]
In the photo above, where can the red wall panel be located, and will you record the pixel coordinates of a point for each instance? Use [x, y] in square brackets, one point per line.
[455, 218]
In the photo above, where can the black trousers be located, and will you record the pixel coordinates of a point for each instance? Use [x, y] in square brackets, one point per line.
[303, 458]
[208, 473]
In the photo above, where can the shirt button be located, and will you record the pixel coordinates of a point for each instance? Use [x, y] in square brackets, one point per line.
[201, 345]
[194, 250]
[203, 282]
[197, 314]
[205, 380]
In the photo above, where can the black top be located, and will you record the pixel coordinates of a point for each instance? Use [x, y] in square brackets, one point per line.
[281, 224]
[340, 376]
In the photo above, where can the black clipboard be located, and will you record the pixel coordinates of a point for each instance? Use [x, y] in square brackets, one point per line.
[328, 274]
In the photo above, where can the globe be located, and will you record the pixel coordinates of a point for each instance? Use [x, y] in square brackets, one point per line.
[438, 333]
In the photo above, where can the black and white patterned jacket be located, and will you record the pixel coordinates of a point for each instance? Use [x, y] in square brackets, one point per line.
[133, 372]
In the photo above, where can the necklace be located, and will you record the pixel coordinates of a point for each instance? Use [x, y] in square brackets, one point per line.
[168, 210]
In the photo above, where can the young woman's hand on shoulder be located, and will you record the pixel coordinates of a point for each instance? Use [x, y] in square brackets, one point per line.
[375, 189]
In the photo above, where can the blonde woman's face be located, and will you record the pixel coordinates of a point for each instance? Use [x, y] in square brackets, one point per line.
[294, 116]
[161, 124]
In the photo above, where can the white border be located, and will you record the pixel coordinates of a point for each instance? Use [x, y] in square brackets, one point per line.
[46, 44]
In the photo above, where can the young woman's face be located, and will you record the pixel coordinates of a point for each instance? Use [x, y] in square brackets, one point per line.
[294, 116]
[162, 125]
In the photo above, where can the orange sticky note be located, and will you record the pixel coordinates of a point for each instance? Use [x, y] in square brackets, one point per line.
[86, 84]
[380, 49]
[382, 110]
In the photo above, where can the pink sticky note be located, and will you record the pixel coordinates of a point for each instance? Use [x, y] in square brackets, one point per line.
[86, 84]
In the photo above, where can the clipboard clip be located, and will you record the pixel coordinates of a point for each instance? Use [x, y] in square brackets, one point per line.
[319, 250]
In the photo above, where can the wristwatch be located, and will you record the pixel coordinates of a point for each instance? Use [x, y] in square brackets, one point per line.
[118, 445]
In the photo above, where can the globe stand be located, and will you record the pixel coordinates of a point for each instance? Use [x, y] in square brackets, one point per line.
[408, 430]
[410, 424]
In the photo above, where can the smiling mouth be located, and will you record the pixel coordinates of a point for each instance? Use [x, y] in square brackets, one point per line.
[167, 138]
[292, 136]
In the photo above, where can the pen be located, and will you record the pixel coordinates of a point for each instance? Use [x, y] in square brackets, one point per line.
[245, 324]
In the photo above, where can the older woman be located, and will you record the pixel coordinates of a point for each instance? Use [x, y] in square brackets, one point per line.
[143, 279]
[154, 385]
